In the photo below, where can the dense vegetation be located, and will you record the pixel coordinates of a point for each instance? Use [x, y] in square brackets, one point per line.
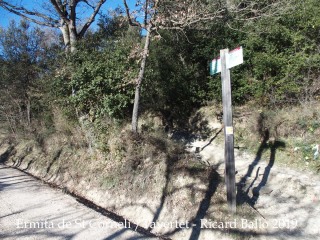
[97, 81]
[67, 103]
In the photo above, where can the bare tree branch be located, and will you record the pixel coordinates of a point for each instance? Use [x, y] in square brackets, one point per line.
[86, 2]
[72, 7]
[65, 14]
[23, 12]
[146, 12]
[131, 22]
[180, 14]
[60, 10]
[91, 19]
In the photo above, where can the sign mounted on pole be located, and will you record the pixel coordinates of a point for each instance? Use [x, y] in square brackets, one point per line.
[215, 66]
[223, 64]
[233, 58]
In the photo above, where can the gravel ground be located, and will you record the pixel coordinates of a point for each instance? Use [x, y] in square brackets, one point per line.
[287, 200]
[30, 209]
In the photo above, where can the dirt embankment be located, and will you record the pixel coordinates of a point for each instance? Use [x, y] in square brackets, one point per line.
[160, 186]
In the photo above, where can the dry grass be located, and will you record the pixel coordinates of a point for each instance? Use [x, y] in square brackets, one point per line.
[145, 171]
[297, 128]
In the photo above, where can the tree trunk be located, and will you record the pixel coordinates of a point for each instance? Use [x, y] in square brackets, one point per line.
[69, 34]
[73, 36]
[66, 37]
[135, 113]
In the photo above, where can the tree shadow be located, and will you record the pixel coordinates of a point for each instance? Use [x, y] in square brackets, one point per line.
[170, 163]
[179, 162]
[197, 128]
[212, 139]
[28, 165]
[115, 217]
[243, 195]
[273, 148]
[54, 159]
[19, 158]
[214, 181]
[4, 157]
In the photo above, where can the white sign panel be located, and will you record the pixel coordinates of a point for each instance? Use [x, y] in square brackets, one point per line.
[234, 58]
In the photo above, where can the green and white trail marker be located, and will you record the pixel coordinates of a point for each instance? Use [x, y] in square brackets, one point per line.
[234, 58]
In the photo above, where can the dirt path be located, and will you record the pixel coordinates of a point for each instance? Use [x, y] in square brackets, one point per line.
[288, 200]
[32, 210]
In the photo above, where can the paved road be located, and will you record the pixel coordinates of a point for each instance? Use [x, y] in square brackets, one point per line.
[30, 209]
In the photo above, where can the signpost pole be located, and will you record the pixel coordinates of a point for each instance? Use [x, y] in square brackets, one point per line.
[228, 132]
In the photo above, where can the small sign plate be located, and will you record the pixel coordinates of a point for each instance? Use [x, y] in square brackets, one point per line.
[229, 130]
[234, 58]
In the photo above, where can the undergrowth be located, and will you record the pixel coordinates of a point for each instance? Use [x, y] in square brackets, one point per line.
[296, 130]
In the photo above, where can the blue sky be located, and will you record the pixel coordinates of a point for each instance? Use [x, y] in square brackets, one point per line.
[6, 17]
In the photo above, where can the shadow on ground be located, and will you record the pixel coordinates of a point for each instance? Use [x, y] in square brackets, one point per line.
[202, 200]
[244, 186]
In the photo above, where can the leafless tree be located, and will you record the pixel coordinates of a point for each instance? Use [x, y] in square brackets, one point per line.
[62, 14]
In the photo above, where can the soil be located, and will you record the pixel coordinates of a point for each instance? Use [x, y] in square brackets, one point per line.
[274, 202]
[287, 200]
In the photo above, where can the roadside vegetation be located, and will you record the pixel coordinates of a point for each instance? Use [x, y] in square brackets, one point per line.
[66, 115]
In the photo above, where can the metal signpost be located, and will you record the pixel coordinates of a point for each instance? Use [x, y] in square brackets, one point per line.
[222, 64]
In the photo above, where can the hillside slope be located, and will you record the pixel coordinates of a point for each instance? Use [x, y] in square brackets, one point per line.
[175, 188]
